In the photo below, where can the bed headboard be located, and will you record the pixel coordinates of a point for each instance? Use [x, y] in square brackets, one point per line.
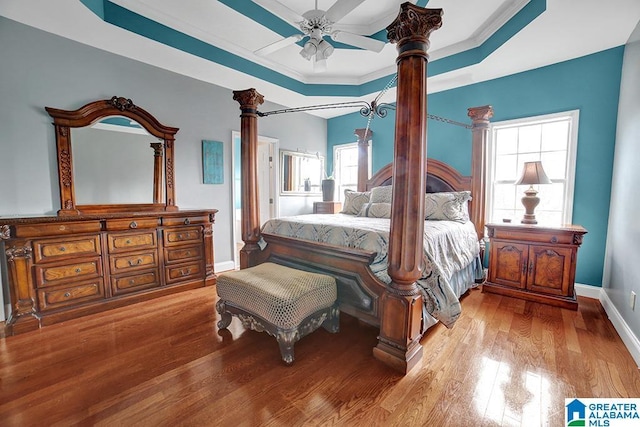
[440, 177]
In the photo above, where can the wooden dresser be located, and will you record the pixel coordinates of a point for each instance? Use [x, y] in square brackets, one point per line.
[534, 262]
[326, 207]
[65, 267]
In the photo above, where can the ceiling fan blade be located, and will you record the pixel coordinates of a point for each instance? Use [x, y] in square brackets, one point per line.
[341, 8]
[280, 10]
[358, 41]
[270, 48]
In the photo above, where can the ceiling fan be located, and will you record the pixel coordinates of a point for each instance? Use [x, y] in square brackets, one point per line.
[316, 24]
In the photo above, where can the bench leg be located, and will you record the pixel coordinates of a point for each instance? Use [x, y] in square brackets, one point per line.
[332, 322]
[225, 316]
[286, 340]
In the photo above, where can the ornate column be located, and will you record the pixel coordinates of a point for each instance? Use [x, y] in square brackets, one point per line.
[364, 136]
[249, 101]
[157, 171]
[400, 325]
[479, 139]
[210, 276]
[23, 315]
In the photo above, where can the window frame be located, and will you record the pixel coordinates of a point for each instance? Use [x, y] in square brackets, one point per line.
[570, 161]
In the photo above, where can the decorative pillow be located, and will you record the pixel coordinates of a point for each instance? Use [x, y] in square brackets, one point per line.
[353, 201]
[452, 206]
[376, 210]
[381, 194]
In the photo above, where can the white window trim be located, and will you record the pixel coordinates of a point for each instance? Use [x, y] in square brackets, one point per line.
[571, 157]
[345, 146]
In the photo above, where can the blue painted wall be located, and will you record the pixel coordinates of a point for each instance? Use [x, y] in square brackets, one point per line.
[590, 84]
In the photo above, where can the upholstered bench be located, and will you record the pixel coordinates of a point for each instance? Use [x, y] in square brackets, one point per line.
[285, 302]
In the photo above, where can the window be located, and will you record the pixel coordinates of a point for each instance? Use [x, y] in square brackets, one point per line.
[345, 167]
[552, 139]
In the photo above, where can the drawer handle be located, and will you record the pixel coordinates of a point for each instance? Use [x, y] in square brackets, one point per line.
[62, 249]
[187, 221]
[138, 262]
[133, 224]
[530, 267]
[128, 242]
[132, 281]
[524, 268]
[188, 253]
[67, 294]
[185, 273]
[179, 236]
[554, 239]
[78, 270]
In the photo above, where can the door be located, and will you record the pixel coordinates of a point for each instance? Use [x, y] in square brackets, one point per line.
[549, 270]
[267, 181]
[508, 264]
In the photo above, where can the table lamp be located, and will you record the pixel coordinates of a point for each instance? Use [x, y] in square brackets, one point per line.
[532, 173]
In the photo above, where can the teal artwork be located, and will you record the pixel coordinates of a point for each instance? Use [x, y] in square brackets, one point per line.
[212, 156]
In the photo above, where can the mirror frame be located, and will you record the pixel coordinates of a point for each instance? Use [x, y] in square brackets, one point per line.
[64, 120]
[284, 153]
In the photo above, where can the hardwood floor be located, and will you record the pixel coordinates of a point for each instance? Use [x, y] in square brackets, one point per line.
[163, 362]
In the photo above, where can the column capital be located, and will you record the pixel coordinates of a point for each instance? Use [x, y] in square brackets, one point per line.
[480, 115]
[249, 99]
[413, 26]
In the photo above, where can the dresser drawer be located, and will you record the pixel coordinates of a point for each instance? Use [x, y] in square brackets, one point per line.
[185, 220]
[186, 271]
[182, 236]
[182, 254]
[57, 228]
[133, 283]
[534, 234]
[70, 247]
[79, 270]
[136, 261]
[52, 298]
[130, 224]
[120, 242]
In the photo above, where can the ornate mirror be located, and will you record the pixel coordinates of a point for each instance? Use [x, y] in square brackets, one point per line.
[113, 156]
[301, 173]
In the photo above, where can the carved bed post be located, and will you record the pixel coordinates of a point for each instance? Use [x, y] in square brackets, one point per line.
[480, 138]
[249, 100]
[400, 324]
[364, 137]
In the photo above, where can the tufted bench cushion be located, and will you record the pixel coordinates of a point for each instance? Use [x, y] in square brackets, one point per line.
[283, 301]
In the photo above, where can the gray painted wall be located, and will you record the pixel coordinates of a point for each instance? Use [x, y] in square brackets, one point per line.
[38, 69]
[621, 272]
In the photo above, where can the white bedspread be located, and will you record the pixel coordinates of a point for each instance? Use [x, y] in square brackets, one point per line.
[448, 246]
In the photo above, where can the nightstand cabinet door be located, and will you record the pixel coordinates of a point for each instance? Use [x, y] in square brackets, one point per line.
[550, 269]
[508, 263]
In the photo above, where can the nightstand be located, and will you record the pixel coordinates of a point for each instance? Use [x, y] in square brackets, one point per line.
[326, 207]
[533, 262]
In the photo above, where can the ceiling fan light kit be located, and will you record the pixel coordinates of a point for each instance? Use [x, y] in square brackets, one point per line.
[316, 24]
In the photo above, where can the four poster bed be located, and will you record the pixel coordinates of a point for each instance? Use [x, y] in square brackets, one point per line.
[393, 297]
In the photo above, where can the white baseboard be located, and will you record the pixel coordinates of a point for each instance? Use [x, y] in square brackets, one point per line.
[224, 266]
[588, 291]
[626, 334]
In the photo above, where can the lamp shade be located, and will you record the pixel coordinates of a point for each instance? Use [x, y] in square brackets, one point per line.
[533, 173]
